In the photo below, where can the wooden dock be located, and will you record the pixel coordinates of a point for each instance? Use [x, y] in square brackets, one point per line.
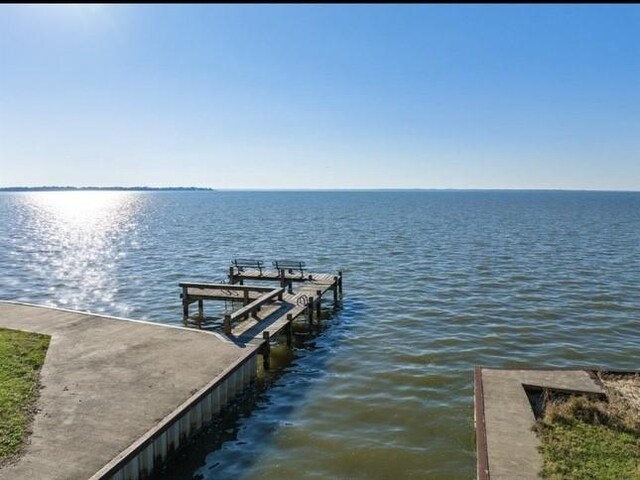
[118, 402]
[263, 313]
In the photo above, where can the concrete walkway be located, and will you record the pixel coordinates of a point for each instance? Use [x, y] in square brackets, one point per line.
[511, 445]
[106, 382]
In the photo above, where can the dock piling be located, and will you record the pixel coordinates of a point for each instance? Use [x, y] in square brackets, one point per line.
[266, 352]
[289, 330]
[185, 305]
[318, 304]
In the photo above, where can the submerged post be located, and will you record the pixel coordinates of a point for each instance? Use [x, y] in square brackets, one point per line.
[310, 309]
[201, 308]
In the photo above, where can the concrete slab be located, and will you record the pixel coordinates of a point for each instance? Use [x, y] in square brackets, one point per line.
[511, 446]
[106, 383]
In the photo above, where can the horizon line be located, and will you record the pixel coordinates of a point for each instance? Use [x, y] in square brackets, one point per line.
[56, 188]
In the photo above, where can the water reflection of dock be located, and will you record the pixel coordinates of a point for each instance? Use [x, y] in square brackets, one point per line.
[120, 396]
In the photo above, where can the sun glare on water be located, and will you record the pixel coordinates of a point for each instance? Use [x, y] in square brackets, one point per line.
[81, 209]
[80, 235]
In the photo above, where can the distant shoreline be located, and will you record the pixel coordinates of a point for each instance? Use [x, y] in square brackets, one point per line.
[118, 189]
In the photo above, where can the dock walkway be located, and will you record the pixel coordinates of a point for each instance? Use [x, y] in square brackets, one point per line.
[267, 311]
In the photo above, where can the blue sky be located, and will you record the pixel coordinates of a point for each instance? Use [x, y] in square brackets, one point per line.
[321, 97]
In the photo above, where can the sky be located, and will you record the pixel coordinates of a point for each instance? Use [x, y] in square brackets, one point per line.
[312, 96]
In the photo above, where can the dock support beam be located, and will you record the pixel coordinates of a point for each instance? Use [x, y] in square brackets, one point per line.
[266, 352]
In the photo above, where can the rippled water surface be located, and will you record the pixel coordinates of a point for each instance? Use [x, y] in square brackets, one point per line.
[435, 283]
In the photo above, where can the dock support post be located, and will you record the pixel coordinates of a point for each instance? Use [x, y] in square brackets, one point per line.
[318, 304]
[310, 310]
[246, 298]
[290, 290]
[231, 279]
[266, 352]
[340, 283]
[227, 324]
[283, 282]
[335, 292]
[185, 305]
[289, 331]
[201, 308]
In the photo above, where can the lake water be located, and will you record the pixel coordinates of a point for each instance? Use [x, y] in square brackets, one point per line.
[435, 283]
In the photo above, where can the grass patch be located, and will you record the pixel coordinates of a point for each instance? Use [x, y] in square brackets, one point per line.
[21, 356]
[586, 437]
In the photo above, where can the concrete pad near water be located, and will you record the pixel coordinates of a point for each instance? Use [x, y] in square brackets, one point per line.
[114, 390]
[507, 446]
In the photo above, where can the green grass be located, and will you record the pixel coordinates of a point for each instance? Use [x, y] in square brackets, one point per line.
[21, 356]
[583, 438]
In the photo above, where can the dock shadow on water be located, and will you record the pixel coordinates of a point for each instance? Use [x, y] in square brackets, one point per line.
[234, 442]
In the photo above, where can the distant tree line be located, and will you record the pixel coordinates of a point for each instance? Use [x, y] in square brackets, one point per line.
[65, 189]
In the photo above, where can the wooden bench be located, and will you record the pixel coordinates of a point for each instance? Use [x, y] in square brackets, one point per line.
[289, 265]
[242, 263]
